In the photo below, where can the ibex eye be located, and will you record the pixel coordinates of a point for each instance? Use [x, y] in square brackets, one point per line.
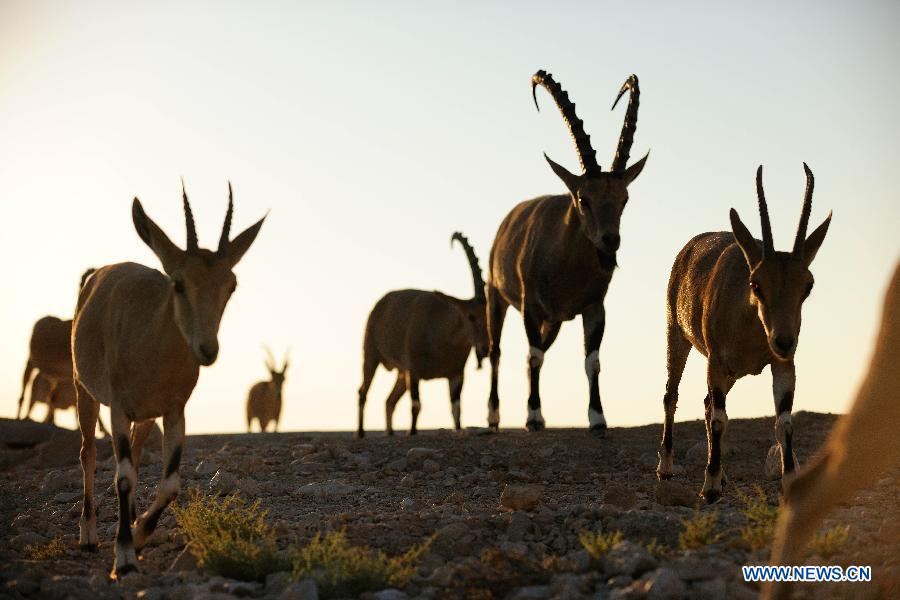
[178, 287]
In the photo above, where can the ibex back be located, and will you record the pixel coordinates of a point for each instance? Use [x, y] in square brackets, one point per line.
[139, 339]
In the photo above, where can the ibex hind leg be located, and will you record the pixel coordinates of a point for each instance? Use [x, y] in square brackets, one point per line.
[677, 350]
[370, 365]
[391, 403]
[496, 314]
[87, 409]
[413, 384]
[456, 385]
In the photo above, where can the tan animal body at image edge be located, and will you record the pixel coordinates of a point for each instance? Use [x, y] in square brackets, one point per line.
[553, 257]
[861, 446]
[424, 335]
[139, 339]
[738, 302]
[57, 395]
[264, 398]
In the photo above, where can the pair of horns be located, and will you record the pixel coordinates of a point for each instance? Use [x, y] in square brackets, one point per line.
[271, 363]
[192, 245]
[800, 238]
[477, 280]
[586, 154]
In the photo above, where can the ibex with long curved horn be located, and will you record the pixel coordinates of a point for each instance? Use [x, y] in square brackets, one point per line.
[862, 445]
[139, 339]
[424, 335]
[264, 398]
[738, 302]
[554, 256]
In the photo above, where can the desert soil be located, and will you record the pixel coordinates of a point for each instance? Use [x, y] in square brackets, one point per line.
[391, 493]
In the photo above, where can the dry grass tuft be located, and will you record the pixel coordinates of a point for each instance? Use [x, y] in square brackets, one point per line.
[761, 516]
[50, 551]
[598, 543]
[829, 542]
[699, 531]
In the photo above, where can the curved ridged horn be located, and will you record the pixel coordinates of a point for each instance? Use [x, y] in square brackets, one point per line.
[226, 227]
[586, 154]
[620, 162]
[768, 244]
[477, 281]
[189, 221]
[270, 359]
[800, 239]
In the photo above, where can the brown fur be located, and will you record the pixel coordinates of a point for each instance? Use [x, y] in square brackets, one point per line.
[264, 398]
[862, 444]
[138, 341]
[553, 257]
[50, 352]
[57, 395]
[736, 301]
[423, 335]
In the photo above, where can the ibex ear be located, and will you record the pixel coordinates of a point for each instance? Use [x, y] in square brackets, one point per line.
[168, 253]
[632, 172]
[239, 245]
[572, 181]
[749, 246]
[815, 239]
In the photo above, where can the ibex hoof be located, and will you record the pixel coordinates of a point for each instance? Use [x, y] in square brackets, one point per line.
[360, 434]
[413, 432]
[534, 426]
[663, 476]
[125, 570]
[598, 431]
[711, 496]
[494, 428]
[88, 547]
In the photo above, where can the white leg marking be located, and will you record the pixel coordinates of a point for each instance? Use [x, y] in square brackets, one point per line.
[534, 414]
[535, 357]
[592, 363]
[596, 418]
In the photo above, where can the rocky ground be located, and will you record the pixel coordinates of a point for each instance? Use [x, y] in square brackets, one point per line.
[391, 493]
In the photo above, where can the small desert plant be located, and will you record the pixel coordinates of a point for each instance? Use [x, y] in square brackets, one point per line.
[341, 569]
[699, 531]
[829, 542]
[229, 537]
[50, 551]
[657, 550]
[598, 543]
[761, 516]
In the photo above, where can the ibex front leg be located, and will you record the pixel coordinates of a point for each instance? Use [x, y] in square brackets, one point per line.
[535, 421]
[456, 385]
[594, 322]
[784, 379]
[173, 443]
[126, 482]
[88, 410]
[412, 383]
[716, 423]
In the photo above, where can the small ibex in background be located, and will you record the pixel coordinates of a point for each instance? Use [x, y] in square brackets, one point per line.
[861, 445]
[139, 339]
[553, 257]
[264, 399]
[57, 395]
[424, 335]
[738, 301]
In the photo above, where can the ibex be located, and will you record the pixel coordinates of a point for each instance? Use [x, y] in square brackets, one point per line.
[554, 256]
[57, 395]
[862, 444]
[737, 301]
[139, 339]
[264, 399]
[424, 335]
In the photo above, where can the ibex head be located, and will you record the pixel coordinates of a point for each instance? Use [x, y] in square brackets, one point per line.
[598, 198]
[474, 309]
[780, 281]
[201, 280]
[272, 366]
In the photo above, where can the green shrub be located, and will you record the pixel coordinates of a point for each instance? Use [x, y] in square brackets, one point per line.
[598, 543]
[341, 569]
[829, 542]
[761, 516]
[699, 531]
[229, 537]
[50, 551]
[657, 550]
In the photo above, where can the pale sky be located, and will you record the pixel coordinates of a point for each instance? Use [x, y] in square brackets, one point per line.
[374, 130]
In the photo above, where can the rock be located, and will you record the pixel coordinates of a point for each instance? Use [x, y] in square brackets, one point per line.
[300, 590]
[222, 483]
[671, 493]
[628, 558]
[697, 454]
[408, 480]
[408, 504]
[620, 495]
[25, 433]
[664, 584]
[184, 562]
[390, 594]
[27, 539]
[54, 481]
[531, 592]
[521, 496]
[66, 497]
[415, 457]
[249, 486]
[301, 450]
[519, 526]
[773, 463]
[333, 488]
[431, 466]
[580, 560]
[207, 466]
[711, 589]
[619, 581]
[277, 582]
